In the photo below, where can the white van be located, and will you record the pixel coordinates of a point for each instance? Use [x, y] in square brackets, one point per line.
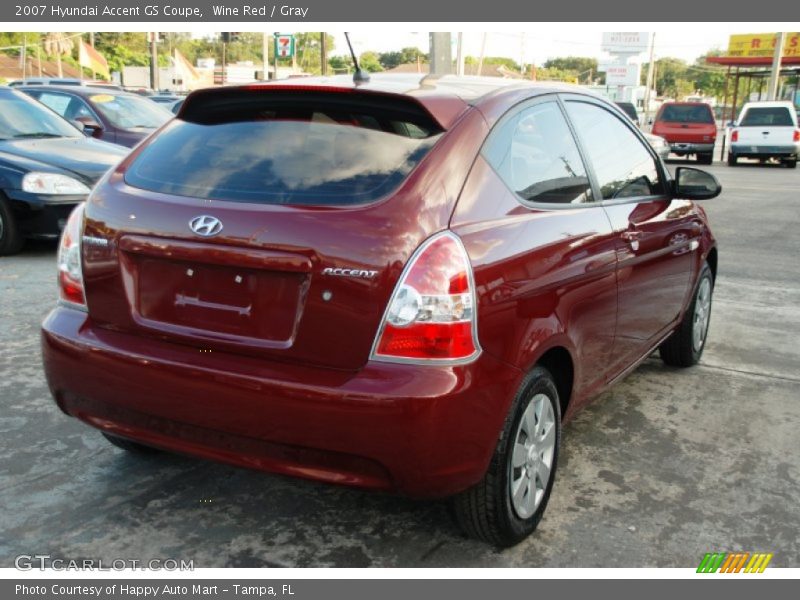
[766, 130]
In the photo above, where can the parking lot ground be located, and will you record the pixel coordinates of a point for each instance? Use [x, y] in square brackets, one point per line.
[666, 466]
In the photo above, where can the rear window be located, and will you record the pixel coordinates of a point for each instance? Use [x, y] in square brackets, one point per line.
[287, 148]
[687, 113]
[776, 116]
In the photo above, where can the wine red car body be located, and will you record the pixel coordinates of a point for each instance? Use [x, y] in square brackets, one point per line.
[404, 285]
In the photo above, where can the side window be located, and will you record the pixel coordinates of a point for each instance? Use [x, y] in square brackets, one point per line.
[623, 165]
[78, 108]
[56, 102]
[535, 154]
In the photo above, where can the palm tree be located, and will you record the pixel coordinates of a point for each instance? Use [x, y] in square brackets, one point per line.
[58, 45]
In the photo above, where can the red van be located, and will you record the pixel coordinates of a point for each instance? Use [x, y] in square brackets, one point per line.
[405, 285]
[689, 128]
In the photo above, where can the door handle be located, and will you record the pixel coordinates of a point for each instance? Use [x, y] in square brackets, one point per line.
[632, 237]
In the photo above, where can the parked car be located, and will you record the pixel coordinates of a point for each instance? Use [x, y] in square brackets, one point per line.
[766, 130]
[110, 115]
[689, 128]
[167, 99]
[378, 285]
[659, 144]
[47, 167]
[630, 110]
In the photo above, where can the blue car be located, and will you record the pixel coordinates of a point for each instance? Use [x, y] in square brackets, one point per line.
[47, 167]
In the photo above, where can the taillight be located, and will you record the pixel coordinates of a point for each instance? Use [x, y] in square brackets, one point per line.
[796, 137]
[431, 315]
[70, 274]
[735, 135]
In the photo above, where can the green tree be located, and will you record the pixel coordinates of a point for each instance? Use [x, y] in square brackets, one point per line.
[370, 62]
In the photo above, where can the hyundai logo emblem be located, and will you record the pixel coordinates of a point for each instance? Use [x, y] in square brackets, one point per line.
[206, 225]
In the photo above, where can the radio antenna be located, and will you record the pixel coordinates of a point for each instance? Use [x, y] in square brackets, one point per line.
[359, 76]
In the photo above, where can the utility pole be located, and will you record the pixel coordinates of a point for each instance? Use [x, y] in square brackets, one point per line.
[24, 55]
[154, 60]
[323, 52]
[265, 55]
[650, 75]
[775, 75]
[483, 52]
[460, 54]
[91, 43]
[441, 53]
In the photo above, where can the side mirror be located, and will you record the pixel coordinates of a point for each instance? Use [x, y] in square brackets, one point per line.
[90, 127]
[695, 184]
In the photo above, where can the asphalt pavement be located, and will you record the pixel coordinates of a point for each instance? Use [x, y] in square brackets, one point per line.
[668, 465]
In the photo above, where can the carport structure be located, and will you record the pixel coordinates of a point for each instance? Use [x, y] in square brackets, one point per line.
[751, 69]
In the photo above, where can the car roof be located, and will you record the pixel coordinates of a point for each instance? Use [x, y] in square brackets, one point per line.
[771, 104]
[79, 90]
[443, 96]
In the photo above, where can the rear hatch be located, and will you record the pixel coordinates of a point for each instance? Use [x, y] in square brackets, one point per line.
[272, 223]
[686, 123]
[766, 126]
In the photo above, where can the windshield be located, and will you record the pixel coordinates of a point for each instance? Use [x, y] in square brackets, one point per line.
[129, 112]
[773, 116]
[21, 117]
[286, 153]
[687, 113]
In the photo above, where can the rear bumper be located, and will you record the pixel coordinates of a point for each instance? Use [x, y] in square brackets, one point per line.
[763, 151]
[420, 431]
[691, 148]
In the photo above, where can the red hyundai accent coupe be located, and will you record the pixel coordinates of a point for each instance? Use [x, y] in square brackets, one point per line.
[403, 285]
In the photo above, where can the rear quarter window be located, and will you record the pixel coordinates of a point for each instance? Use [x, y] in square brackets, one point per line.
[286, 148]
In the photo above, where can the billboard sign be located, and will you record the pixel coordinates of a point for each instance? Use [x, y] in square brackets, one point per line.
[625, 42]
[762, 44]
[622, 74]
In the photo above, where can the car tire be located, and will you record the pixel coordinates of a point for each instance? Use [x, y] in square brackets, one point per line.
[792, 164]
[706, 158]
[732, 159]
[489, 511]
[130, 445]
[11, 239]
[686, 344]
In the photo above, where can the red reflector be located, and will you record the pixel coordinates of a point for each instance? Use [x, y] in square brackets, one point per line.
[428, 340]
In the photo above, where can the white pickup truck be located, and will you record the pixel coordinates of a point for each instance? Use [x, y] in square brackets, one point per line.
[766, 130]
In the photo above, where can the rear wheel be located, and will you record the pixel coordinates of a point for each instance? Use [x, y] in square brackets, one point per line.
[732, 159]
[11, 239]
[685, 346]
[129, 445]
[792, 163]
[706, 158]
[508, 503]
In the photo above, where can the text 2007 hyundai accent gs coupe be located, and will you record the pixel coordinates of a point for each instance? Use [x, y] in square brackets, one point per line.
[404, 285]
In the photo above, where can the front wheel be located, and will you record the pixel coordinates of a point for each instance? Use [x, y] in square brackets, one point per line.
[792, 163]
[130, 445]
[732, 159]
[508, 503]
[11, 239]
[685, 346]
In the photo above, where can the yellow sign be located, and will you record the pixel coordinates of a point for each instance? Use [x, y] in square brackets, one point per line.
[101, 98]
[762, 44]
